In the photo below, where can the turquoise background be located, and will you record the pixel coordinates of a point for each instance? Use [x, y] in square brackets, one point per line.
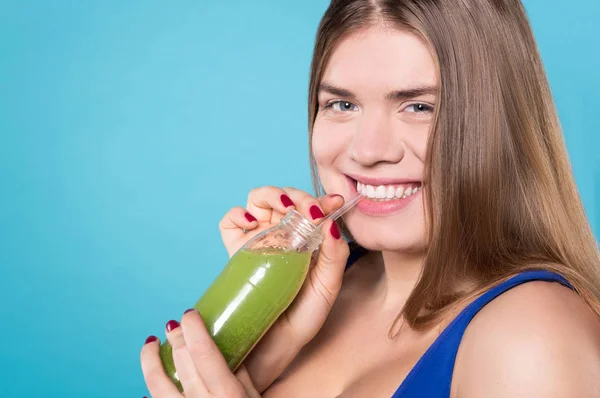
[129, 128]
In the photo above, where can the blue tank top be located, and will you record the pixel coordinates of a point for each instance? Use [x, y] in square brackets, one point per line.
[431, 377]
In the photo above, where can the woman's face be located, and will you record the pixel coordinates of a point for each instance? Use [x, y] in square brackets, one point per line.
[376, 102]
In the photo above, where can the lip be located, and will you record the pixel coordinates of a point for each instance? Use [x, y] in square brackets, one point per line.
[381, 209]
[381, 181]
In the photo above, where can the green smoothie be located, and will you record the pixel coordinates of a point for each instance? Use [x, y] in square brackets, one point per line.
[245, 300]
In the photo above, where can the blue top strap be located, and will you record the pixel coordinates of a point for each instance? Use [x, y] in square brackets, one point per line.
[431, 377]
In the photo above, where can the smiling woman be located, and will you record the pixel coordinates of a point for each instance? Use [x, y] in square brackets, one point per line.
[473, 258]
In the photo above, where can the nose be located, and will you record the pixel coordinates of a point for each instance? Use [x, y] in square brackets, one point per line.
[375, 142]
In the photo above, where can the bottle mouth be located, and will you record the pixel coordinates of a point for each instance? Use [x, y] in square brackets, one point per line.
[307, 229]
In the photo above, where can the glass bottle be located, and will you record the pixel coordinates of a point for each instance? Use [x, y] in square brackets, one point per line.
[256, 286]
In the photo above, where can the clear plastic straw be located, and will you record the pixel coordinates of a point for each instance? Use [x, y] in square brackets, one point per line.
[348, 204]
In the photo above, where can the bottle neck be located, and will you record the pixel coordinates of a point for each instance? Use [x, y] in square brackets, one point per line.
[307, 236]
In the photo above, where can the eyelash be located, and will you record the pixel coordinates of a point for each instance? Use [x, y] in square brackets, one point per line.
[427, 108]
[330, 104]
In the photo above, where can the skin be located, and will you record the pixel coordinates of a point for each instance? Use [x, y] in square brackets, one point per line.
[537, 340]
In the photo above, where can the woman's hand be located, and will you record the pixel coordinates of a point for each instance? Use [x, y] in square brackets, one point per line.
[202, 369]
[307, 314]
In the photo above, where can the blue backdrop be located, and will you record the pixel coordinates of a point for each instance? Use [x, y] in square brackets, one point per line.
[129, 128]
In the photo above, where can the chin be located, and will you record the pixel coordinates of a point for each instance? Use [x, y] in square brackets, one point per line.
[385, 234]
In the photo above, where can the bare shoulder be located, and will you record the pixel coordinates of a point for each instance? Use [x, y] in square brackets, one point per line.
[538, 339]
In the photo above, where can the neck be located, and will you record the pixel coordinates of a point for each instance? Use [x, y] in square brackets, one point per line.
[399, 275]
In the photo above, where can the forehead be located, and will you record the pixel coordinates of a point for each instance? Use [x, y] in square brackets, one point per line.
[381, 58]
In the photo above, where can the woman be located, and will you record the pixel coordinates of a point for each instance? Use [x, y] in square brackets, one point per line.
[474, 273]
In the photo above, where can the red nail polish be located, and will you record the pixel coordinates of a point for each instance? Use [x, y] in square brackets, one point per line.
[315, 212]
[287, 202]
[250, 217]
[335, 231]
[151, 339]
[172, 325]
[190, 310]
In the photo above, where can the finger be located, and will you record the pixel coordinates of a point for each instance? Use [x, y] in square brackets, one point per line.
[269, 204]
[327, 274]
[235, 224]
[330, 203]
[311, 207]
[159, 384]
[190, 380]
[322, 285]
[207, 358]
[237, 219]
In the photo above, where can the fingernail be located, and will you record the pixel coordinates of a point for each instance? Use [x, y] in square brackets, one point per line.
[333, 195]
[250, 217]
[172, 325]
[315, 212]
[335, 231]
[287, 202]
[151, 339]
[190, 310]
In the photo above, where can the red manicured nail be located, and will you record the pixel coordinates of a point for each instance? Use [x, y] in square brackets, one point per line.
[190, 310]
[315, 212]
[151, 339]
[172, 325]
[287, 202]
[250, 217]
[335, 231]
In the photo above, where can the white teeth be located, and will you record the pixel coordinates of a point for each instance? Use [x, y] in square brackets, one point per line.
[385, 192]
[371, 191]
[399, 192]
[407, 193]
[390, 192]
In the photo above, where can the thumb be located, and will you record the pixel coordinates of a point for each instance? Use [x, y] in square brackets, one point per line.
[328, 272]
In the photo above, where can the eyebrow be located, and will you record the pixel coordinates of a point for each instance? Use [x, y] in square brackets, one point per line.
[397, 95]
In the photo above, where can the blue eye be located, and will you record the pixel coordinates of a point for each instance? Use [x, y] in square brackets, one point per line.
[342, 106]
[419, 108]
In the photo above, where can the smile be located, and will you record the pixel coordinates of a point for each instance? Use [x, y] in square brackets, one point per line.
[384, 197]
[387, 192]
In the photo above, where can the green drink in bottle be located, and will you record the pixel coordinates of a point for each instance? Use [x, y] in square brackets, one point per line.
[256, 286]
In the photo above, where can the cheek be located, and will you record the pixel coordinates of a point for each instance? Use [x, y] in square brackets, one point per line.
[327, 144]
[416, 141]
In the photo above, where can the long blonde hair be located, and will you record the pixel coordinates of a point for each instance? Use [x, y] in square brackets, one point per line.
[500, 197]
